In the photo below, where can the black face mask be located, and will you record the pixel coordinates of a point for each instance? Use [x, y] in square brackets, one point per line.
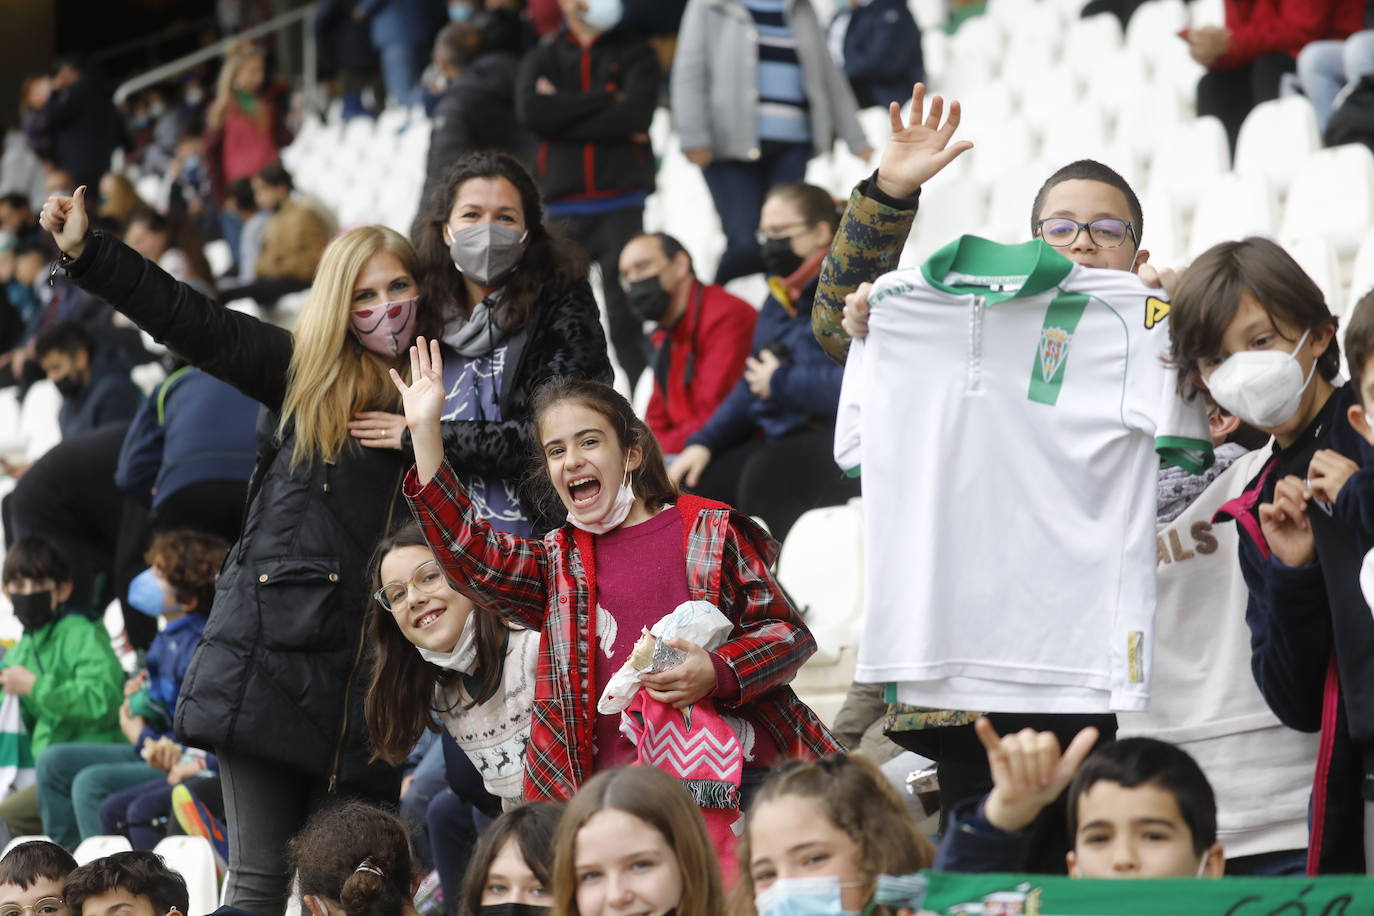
[779, 260]
[648, 299]
[69, 386]
[33, 611]
[513, 909]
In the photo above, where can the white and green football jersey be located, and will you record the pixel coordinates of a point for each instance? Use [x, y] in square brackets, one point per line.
[1009, 410]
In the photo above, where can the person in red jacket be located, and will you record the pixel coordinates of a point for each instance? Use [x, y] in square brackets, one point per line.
[1259, 43]
[700, 341]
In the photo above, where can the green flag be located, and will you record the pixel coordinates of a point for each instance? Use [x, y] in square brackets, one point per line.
[1044, 895]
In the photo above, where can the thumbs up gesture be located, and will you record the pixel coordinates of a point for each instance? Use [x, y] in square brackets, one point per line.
[65, 218]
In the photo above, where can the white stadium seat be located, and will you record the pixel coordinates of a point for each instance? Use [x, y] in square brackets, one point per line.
[1332, 197]
[1318, 259]
[194, 859]
[1188, 159]
[821, 566]
[1156, 23]
[1235, 206]
[98, 847]
[1362, 273]
[1164, 235]
[1276, 138]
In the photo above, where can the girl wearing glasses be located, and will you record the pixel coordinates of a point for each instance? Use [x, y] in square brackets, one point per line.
[437, 661]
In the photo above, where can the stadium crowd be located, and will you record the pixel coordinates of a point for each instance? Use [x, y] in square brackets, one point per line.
[415, 611]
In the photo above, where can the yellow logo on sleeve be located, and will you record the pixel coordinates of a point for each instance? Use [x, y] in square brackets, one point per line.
[1156, 310]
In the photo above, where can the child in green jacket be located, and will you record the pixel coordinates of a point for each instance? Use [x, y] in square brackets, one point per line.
[62, 669]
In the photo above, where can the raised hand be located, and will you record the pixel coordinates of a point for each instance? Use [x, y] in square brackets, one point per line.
[1285, 525]
[65, 218]
[423, 400]
[1028, 772]
[919, 149]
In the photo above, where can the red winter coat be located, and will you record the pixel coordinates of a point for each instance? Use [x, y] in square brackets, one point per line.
[1259, 27]
[707, 349]
[549, 585]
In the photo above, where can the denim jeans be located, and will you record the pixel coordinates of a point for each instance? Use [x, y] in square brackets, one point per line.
[402, 64]
[738, 188]
[1327, 67]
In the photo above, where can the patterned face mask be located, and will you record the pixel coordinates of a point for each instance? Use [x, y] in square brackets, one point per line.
[386, 329]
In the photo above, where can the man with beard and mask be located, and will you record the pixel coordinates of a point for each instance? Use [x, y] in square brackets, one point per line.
[92, 379]
[700, 339]
[588, 94]
[64, 672]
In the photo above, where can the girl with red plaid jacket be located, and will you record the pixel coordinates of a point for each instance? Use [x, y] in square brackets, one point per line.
[632, 550]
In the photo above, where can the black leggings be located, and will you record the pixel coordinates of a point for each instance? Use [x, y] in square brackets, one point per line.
[779, 479]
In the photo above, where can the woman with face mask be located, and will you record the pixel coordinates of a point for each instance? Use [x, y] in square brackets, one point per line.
[511, 870]
[276, 688]
[517, 311]
[768, 448]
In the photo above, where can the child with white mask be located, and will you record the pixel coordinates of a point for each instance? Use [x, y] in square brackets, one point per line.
[437, 658]
[1249, 326]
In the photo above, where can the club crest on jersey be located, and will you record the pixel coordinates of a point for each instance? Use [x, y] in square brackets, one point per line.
[1054, 347]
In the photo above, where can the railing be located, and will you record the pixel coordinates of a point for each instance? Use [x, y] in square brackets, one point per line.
[196, 58]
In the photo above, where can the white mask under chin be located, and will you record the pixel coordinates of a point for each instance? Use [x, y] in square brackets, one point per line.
[1262, 387]
[619, 511]
[464, 655]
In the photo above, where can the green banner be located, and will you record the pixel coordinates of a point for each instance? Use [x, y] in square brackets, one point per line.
[1044, 895]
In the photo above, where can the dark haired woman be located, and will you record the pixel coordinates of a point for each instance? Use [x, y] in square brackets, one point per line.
[518, 311]
[512, 864]
[768, 448]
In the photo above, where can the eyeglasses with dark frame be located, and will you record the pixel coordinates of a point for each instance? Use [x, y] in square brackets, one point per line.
[428, 579]
[1061, 232]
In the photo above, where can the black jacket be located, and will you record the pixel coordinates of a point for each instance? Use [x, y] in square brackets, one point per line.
[1304, 620]
[85, 127]
[282, 668]
[477, 111]
[593, 132]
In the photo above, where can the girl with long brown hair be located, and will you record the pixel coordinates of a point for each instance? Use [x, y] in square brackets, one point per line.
[631, 552]
[631, 841]
[440, 663]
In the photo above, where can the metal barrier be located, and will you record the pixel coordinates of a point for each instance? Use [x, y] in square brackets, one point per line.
[195, 58]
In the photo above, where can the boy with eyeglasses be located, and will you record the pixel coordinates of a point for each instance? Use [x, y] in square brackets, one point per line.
[1092, 216]
[31, 877]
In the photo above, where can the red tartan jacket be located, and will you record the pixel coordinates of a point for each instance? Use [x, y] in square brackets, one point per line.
[549, 584]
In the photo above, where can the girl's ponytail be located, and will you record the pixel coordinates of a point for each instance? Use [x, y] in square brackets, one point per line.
[357, 854]
[368, 892]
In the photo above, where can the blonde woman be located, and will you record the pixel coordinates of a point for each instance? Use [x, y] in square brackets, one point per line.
[276, 687]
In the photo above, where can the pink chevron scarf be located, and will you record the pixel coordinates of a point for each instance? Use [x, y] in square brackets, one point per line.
[700, 748]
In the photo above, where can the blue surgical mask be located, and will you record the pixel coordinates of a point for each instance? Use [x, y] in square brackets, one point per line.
[603, 15]
[148, 597]
[804, 897]
[459, 12]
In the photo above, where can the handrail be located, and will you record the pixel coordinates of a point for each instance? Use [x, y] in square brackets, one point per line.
[176, 29]
[195, 58]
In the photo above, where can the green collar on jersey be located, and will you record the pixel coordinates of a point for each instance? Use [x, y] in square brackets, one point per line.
[970, 264]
